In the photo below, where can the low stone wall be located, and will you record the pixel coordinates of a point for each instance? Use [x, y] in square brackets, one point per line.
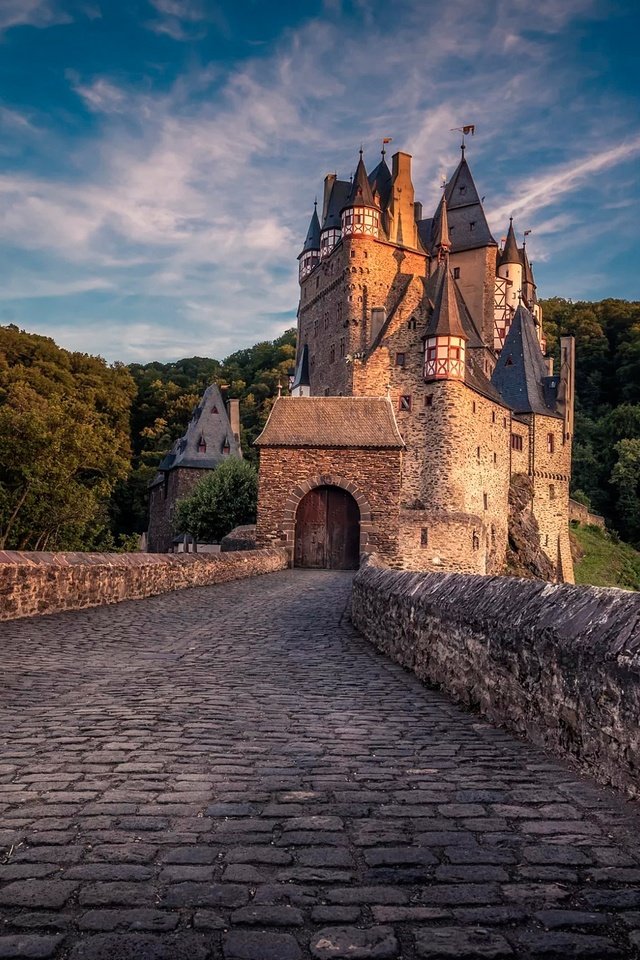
[37, 583]
[581, 514]
[240, 538]
[555, 662]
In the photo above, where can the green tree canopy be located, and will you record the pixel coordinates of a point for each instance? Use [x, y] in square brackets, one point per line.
[221, 501]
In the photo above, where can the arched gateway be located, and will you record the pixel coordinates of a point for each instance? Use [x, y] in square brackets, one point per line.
[327, 530]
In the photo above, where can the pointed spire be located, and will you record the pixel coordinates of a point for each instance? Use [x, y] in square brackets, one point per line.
[520, 372]
[360, 195]
[510, 253]
[467, 221]
[312, 240]
[302, 381]
[442, 241]
[445, 319]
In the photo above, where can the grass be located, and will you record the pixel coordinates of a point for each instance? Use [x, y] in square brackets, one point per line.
[604, 561]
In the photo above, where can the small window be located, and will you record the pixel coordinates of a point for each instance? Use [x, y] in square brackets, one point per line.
[485, 500]
[454, 353]
[353, 253]
[214, 410]
[462, 188]
[456, 273]
[546, 539]
[428, 400]
[475, 541]
[493, 417]
[424, 537]
[552, 491]
[399, 359]
[326, 391]
[516, 441]
[504, 423]
[495, 457]
[332, 353]
[202, 445]
[472, 225]
[509, 361]
[478, 452]
[432, 353]
[473, 407]
[342, 347]
[411, 324]
[550, 443]
[405, 402]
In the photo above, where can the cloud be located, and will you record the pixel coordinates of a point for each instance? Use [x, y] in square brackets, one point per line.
[32, 13]
[184, 20]
[187, 206]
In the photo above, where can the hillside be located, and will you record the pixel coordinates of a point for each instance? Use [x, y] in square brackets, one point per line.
[602, 560]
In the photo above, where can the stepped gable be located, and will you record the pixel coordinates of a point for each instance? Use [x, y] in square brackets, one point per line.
[208, 433]
[521, 373]
[353, 422]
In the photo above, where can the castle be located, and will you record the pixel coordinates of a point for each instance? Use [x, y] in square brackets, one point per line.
[421, 388]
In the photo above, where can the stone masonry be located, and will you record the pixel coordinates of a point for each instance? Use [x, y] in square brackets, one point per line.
[232, 773]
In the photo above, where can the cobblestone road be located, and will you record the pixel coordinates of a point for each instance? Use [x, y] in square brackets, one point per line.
[231, 772]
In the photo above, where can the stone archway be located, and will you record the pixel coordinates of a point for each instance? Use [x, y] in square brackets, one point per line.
[327, 532]
[326, 480]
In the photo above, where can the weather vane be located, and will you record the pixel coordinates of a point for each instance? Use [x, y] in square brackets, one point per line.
[385, 141]
[468, 130]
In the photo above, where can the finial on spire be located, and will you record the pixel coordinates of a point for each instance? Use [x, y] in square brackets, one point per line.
[524, 238]
[361, 151]
[315, 202]
[469, 128]
[385, 141]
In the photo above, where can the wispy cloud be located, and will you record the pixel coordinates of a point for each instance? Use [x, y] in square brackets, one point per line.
[192, 201]
[33, 13]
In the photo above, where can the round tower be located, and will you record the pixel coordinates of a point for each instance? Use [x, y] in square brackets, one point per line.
[445, 339]
[360, 214]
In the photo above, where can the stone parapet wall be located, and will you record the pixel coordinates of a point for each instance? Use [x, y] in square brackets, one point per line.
[557, 663]
[581, 514]
[39, 583]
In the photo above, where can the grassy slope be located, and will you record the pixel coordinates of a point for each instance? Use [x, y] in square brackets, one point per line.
[605, 563]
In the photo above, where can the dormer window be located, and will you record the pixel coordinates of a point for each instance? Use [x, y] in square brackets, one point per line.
[226, 447]
[214, 409]
[462, 189]
[202, 445]
[472, 225]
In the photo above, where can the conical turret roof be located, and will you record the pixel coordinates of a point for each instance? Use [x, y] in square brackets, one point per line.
[302, 377]
[361, 194]
[441, 239]
[445, 318]
[312, 240]
[520, 372]
[510, 252]
[380, 179]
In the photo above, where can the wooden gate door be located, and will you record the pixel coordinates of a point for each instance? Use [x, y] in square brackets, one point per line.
[327, 530]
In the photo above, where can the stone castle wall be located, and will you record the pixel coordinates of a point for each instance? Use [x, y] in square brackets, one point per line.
[40, 583]
[286, 474]
[557, 663]
[581, 514]
[162, 503]
[551, 473]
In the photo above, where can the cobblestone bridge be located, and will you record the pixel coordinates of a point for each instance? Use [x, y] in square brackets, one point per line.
[231, 772]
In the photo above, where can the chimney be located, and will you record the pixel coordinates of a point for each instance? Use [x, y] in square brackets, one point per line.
[549, 362]
[233, 409]
[417, 210]
[329, 181]
[401, 165]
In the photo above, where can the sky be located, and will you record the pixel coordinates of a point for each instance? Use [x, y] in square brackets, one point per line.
[159, 158]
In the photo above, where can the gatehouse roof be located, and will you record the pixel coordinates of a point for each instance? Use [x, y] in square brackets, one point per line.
[356, 422]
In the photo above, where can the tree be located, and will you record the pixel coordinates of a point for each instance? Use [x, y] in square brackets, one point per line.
[225, 499]
[64, 443]
[626, 477]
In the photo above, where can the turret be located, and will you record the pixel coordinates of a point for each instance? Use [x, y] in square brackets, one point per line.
[360, 214]
[511, 269]
[445, 339]
[441, 239]
[309, 258]
[335, 194]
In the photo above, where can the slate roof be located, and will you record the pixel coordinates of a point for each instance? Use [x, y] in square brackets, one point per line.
[464, 209]
[302, 377]
[381, 180]
[360, 194]
[445, 318]
[312, 240]
[521, 373]
[210, 423]
[356, 422]
[510, 252]
[337, 199]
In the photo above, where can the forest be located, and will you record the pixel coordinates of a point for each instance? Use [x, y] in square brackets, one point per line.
[80, 439]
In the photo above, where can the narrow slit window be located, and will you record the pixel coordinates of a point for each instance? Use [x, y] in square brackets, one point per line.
[405, 402]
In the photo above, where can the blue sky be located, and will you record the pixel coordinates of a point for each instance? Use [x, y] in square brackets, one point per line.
[159, 158]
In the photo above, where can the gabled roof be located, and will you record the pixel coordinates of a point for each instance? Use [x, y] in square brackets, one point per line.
[510, 252]
[312, 240]
[445, 318]
[521, 372]
[339, 194]
[361, 194]
[357, 422]
[380, 180]
[302, 378]
[468, 227]
[210, 424]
